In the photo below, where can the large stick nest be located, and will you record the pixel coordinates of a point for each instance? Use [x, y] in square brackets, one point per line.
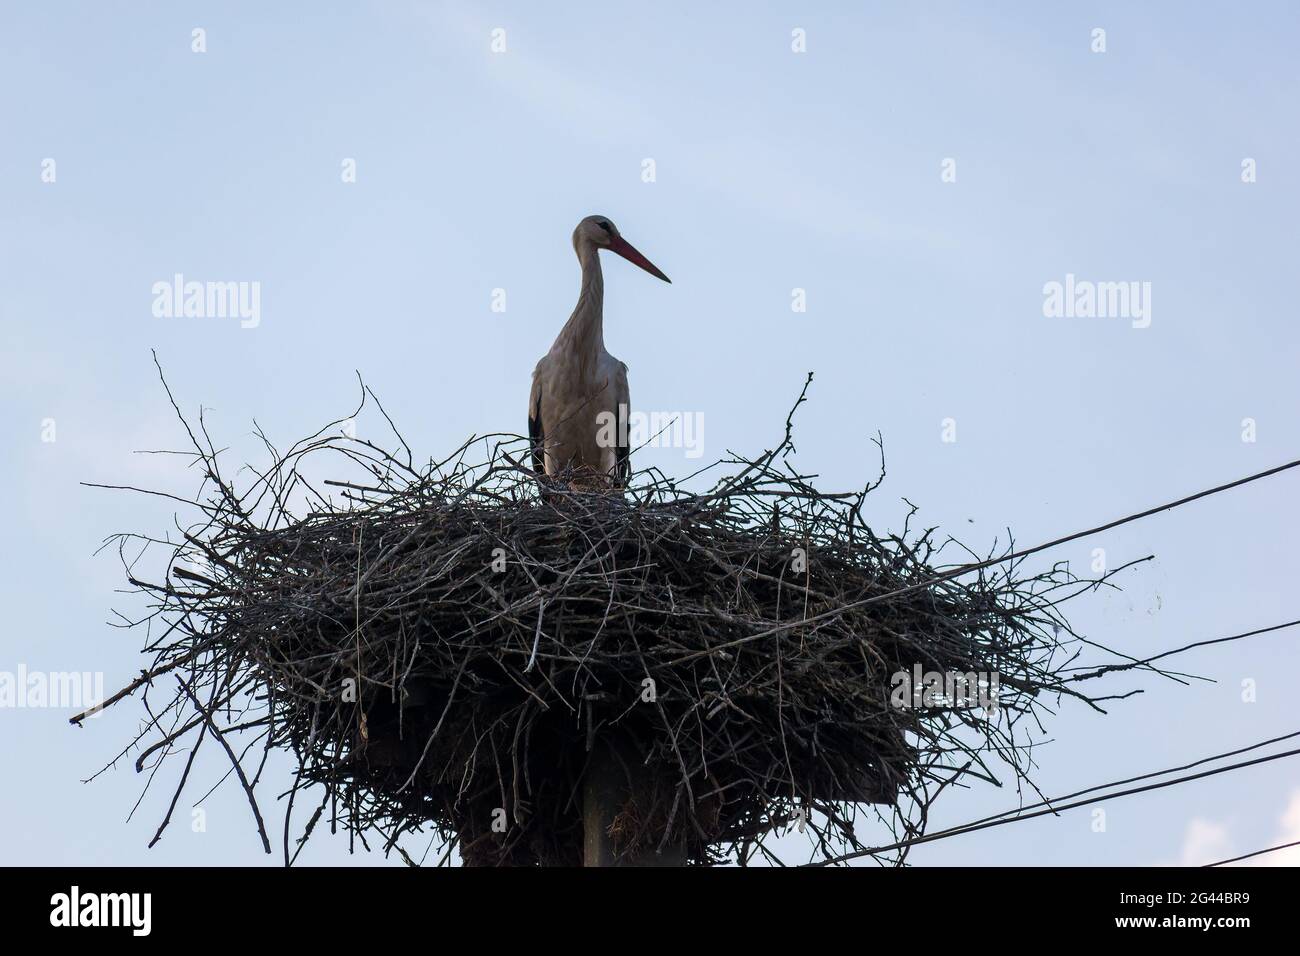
[444, 648]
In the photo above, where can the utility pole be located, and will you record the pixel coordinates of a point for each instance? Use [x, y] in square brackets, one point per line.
[606, 789]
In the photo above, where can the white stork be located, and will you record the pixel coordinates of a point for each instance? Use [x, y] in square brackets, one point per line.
[578, 385]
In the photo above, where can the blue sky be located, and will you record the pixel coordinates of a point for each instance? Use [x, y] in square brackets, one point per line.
[774, 171]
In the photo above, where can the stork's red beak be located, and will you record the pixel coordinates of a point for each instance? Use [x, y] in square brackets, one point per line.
[628, 252]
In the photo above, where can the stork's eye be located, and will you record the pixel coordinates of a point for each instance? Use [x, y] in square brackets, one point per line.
[604, 225]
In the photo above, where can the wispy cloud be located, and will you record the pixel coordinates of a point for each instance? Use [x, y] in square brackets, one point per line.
[1204, 842]
[1207, 841]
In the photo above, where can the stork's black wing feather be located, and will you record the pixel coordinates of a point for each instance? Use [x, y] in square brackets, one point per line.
[622, 464]
[622, 451]
[536, 439]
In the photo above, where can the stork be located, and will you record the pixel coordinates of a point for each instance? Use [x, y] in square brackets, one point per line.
[578, 387]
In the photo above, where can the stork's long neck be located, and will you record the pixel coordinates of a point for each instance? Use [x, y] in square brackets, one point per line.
[584, 333]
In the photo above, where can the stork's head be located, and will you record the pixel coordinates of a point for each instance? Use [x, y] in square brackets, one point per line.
[601, 233]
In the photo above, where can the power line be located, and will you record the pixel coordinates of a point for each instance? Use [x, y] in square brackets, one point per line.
[953, 831]
[1000, 821]
[1247, 856]
[990, 562]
